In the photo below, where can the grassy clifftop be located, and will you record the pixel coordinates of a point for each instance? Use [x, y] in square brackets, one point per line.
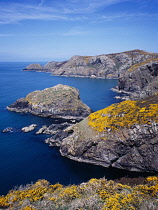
[97, 194]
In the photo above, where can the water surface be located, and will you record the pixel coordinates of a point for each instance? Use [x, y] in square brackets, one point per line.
[24, 157]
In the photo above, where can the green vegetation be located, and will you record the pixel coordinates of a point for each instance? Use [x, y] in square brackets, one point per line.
[97, 194]
[125, 114]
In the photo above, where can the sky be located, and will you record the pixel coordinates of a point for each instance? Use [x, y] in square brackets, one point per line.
[55, 30]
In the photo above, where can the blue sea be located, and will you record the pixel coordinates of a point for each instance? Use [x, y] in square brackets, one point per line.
[24, 157]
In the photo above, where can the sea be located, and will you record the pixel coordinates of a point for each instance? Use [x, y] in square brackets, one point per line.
[25, 157]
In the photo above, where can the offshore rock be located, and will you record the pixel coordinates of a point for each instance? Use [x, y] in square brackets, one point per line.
[29, 128]
[34, 67]
[123, 135]
[140, 80]
[8, 130]
[60, 101]
[107, 66]
[53, 128]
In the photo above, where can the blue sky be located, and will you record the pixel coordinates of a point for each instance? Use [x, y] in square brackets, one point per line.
[46, 30]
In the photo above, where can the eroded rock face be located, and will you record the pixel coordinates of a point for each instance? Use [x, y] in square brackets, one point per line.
[140, 81]
[124, 136]
[60, 101]
[101, 66]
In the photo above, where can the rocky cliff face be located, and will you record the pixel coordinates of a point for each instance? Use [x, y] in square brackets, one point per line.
[140, 80]
[123, 135]
[101, 66]
[58, 101]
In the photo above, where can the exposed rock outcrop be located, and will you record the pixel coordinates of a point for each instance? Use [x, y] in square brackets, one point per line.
[29, 128]
[34, 67]
[123, 135]
[102, 66]
[11, 130]
[140, 80]
[8, 130]
[60, 101]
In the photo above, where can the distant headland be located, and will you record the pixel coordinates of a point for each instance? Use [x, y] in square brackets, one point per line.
[136, 70]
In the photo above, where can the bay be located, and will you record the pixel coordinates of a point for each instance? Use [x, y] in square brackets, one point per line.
[24, 157]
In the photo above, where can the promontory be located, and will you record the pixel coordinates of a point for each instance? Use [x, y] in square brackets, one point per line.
[123, 135]
[140, 81]
[60, 101]
[106, 66]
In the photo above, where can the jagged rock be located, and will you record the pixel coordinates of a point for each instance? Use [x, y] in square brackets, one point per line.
[140, 80]
[8, 130]
[11, 130]
[57, 138]
[110, 66]
[52, 142]
[44, 129]
[53, 128]
[60, 101]
[123, 135]
[29, 128]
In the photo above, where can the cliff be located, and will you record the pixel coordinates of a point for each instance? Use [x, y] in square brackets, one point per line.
[101, 66]
[60, 101]
[140, 80]
[123, 135]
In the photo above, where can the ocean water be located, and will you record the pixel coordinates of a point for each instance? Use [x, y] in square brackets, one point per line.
[24, 157]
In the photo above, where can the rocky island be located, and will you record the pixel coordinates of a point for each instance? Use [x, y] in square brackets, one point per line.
[106, 66]
[123, 135]
[60, 101]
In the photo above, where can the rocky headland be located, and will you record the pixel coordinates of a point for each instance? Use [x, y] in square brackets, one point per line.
[106, 66]
[60, 101]
[123, 135]
[140, 81]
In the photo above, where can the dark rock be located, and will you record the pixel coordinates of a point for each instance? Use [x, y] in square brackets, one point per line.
[53, 128]
[141, 81]
[132, 146]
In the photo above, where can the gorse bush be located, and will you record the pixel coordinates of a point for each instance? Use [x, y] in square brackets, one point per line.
[97, 194]
[124, 114]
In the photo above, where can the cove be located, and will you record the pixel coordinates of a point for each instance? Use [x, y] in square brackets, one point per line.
[24, 157]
